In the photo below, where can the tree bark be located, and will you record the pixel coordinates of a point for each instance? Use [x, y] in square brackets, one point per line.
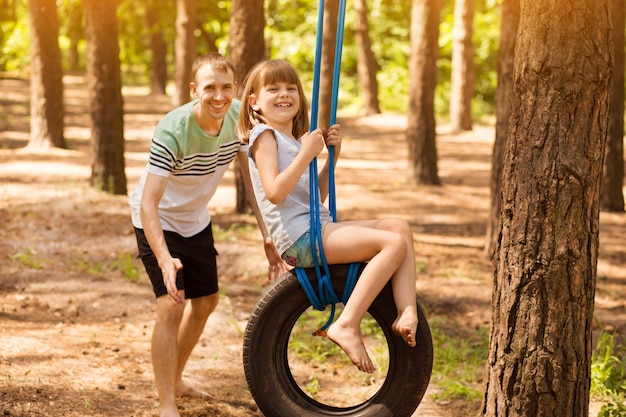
[185, 49]
[546, 258]
[158, 47]
[504, 91]
[46, 78]
[421, 125]
[106, 102]
[367, 66]
[247, 47]
[462, 81]
[612, 198]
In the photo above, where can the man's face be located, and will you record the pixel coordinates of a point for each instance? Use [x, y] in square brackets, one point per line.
[216, 90]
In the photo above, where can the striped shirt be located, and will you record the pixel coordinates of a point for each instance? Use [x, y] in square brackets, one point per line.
[193, 162]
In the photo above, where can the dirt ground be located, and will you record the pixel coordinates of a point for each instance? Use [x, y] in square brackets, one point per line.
[75, 331]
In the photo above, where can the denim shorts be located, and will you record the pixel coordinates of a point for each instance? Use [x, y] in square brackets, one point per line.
[300, 254]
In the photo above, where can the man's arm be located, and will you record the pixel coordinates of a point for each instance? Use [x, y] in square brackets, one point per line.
[277, 266]
[152, 194]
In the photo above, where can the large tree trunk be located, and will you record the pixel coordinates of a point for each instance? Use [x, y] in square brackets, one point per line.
[247, 46]
[462, 81]
[185, 49]
[106, 102]
[367, 66]
[421, 124]
[613, 179]
[546, 259]
[504, 91]
[46, 78]
[158, 47]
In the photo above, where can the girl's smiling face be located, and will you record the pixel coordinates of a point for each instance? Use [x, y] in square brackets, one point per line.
[278, 102]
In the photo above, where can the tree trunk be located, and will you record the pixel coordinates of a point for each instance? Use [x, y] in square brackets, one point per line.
[75, 33]
[247, 47]
[421, 125]
[158, 47]
[329, 36]
[185, 49]
[462, 81]
[546, 258]
[106, 102]
[367, 66]
[504, 91]
[46, 78]
[612, 198]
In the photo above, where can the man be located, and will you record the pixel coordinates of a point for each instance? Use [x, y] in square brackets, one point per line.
[191, 150]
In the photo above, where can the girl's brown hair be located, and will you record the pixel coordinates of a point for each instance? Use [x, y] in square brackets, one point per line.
[266, 73]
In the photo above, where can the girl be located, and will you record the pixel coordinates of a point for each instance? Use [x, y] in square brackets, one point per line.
[274, 122]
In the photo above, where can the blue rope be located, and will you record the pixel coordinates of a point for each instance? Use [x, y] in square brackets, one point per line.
[325, 293]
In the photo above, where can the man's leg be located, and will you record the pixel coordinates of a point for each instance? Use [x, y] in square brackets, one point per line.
[165, 353]
[194, 319]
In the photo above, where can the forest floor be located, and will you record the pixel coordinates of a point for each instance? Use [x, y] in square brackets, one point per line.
[75, 330]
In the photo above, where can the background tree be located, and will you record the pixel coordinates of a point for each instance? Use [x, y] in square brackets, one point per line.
[106, 103]
[158, 47]
[504, 91]
[329, 36]
[46, 86]
[546, 258]
[247, 47]
[366, 61]
[184, 49]
[462, 80]
[612, 198]
[421, 124]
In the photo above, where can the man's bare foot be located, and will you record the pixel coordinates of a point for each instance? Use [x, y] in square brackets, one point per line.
[350, 341]
[185, 391]
[406, 328]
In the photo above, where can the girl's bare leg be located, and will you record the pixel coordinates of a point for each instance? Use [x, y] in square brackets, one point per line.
[403, 283]
[346, 243]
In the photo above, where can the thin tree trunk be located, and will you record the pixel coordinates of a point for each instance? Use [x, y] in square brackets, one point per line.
[246, 46]
[106, 102]
[504, 91]
[185, 49]
[367, 66]
[158, 47]
[546, 259]
[421, 125]
[462, 82]
[46, 79]
[331, 8]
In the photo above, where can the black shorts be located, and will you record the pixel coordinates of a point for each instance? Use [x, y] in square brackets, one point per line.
[198, 277]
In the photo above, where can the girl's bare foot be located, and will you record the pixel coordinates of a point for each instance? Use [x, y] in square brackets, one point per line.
[350, 341]
[406, 328]
[185, 391]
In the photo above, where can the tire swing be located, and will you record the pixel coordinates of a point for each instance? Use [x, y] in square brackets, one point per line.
[278, 313]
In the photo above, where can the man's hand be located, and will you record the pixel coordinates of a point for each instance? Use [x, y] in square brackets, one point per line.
[277, 266]
[169, 269]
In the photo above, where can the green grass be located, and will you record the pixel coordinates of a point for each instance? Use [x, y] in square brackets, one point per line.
[608, 375]
[458, 362]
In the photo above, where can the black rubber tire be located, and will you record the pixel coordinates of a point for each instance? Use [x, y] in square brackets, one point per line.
[267, 367]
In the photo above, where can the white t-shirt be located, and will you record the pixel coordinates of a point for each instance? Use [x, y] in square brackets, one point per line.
[193, 162]
[291, 218]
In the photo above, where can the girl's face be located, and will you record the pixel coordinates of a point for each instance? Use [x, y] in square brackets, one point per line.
[279, 103]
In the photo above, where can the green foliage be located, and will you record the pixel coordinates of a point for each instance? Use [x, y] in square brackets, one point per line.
[608, 375]
[290, 33]
[14, 36]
